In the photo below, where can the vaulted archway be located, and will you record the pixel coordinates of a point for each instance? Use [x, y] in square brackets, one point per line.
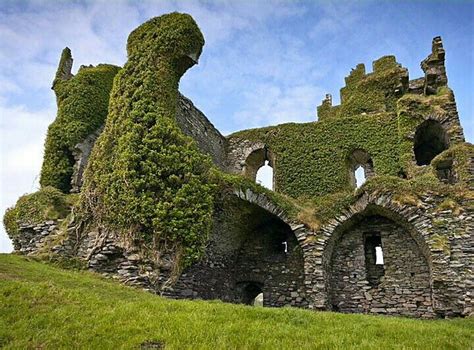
[400, 284]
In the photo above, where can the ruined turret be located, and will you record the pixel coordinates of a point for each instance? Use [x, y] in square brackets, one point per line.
[433, 66]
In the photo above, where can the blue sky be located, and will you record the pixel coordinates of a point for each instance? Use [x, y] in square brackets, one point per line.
[264, 62]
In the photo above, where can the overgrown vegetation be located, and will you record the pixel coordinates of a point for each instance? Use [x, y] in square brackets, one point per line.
[82, 108]
[312, 164]
[48, 203]
[145, 178]
[44, 307]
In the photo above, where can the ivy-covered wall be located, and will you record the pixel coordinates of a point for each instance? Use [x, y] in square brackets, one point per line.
[379, 114]
[311, 158]
[82, 108]
[145, 178]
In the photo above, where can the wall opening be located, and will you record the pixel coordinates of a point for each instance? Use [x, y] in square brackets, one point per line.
[258, 301]
[378, 256]
[359, 176]
[264, 176]
[360, 166]
[374, 266]
[252, 293]
[430, 140]
[259, 166]
[444, 171]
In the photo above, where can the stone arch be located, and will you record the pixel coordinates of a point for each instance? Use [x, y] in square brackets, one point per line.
[246, 251]
[430, 140]
[380, 212]
[359, 158]
[264, 202]
[255, 160]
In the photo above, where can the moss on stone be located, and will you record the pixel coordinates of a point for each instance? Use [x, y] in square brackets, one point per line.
[441, 242]
[31, 209]
[461, 156]
[82, 108]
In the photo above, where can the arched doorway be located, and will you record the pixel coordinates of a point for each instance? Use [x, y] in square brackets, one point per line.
[430, 140]
[259, 166]
[376, 266]
[250, 291]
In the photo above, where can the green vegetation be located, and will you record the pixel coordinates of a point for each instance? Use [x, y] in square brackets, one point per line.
[46, 204]
[82, 108]
[311, 164]
[460, 155]
[44, 307]
[145, 178]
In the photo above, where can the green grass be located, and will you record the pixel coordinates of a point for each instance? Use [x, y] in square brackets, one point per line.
[44, 307]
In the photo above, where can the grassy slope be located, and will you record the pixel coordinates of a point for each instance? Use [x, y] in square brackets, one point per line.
[48, 308]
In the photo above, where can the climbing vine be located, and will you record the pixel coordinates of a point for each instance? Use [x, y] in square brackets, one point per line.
[145, 178]
[82, 108]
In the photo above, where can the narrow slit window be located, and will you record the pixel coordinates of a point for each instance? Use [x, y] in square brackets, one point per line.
[378, 256]
[374, 264]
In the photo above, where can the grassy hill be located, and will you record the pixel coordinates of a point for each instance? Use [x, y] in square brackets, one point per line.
[44, 307]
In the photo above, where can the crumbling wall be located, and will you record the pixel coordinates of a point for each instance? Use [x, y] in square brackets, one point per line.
[195, 124]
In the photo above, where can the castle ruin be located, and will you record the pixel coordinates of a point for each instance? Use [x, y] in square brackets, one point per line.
[401, 244]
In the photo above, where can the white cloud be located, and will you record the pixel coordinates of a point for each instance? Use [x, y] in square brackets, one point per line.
[270, 105]
[21, 146]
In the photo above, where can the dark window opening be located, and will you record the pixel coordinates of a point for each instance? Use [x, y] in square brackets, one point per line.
[252, 293]
[374, 263]
[445, 173]
[402, 174]
[430, 140]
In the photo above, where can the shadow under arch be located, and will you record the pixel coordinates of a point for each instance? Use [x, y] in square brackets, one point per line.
[252, 250]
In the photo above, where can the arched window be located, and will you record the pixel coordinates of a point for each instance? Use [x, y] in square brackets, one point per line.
[361, 167]
[359, 176]
[265, 176]
[430, 140]
[259, 167]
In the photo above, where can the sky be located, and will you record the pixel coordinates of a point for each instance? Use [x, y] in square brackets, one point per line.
[264, 62]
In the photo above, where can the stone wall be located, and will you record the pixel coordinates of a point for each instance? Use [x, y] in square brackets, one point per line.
[81, 153]
[444, 237]
[195, 124]
[249, 247]
[400, 286]
[32, 238]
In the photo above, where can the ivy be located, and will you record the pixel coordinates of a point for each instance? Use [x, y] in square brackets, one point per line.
[46, 204]
[144, 177]
[82, 108]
